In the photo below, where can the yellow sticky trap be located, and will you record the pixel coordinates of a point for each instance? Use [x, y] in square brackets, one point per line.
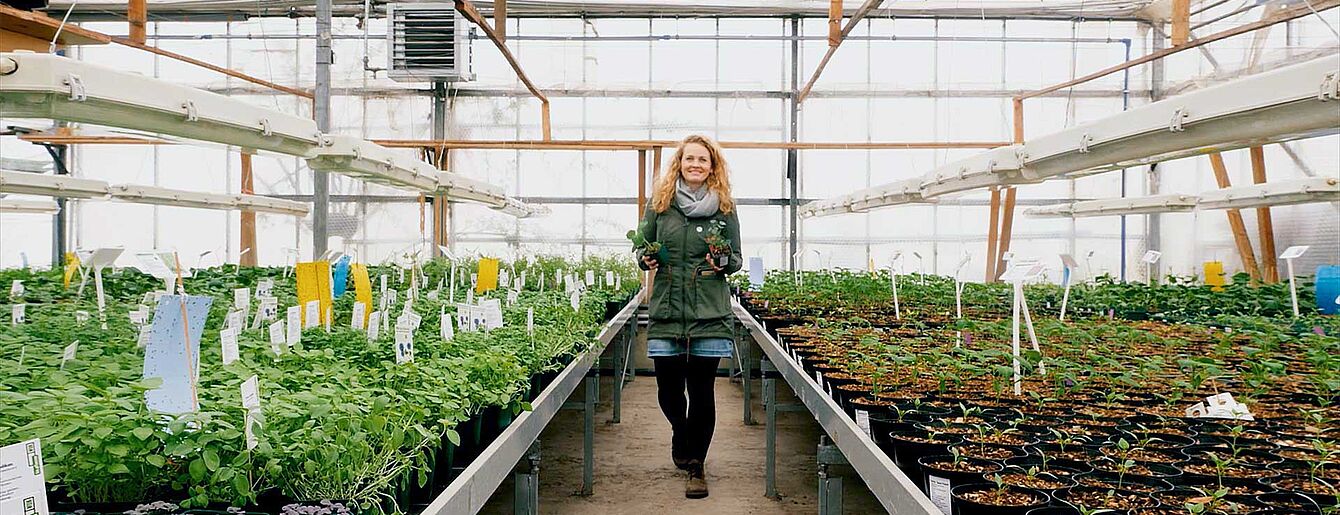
[71, 267]
[488, 275]
[314, 284]
[362, 289]
[1214, 275]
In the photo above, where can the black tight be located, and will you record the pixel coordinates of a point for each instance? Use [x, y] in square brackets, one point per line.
[692, 421]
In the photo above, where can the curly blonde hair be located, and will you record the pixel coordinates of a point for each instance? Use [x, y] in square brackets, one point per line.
[718, 179]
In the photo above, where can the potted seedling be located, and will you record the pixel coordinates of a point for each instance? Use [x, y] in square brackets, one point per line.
[996, 498]
[718, 245]
[647, 248]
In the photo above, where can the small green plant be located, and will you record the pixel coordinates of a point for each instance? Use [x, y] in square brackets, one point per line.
[640, 242]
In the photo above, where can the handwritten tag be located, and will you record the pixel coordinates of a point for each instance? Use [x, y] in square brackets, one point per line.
[143, 339]
[312, 314]
[81, 316]
[277, 339]
[374, 325]
[360, 310]
[609, 278]
[404, 345]
[18, 314]
[444, 322]
[228, 340]
[69, 353]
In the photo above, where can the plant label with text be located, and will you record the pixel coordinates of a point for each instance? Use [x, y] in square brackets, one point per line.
[277, 339]
[228, 340]
[22, 479]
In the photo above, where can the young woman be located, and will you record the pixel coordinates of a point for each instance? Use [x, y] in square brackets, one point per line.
[692, 215]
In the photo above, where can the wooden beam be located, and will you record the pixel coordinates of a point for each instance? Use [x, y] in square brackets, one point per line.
[991, 232]
[641, 183]
[468, 10]
[1235, 223]
[1006, 230]
[247, 234]
[42, 27]
[137, 13]
[1265, 226]
[1280, 16]
[1018, 121]
[655, 165]
[48, 138]
[834, 23]
[1181, 22]
[832, 48]
[649, 144]
[500, 18]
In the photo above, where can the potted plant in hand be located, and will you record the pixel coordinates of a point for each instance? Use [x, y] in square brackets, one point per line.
[718, 245]
[651, 249]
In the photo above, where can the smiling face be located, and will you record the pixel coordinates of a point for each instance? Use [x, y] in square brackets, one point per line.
[695, 165]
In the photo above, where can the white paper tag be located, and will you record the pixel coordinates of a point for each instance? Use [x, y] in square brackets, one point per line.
[145, 332]
[250, 422]
[313, 314]
[264, 288]
[511, 297]
[293, 334]
[277, 339]
[938, 490]
[404, 345]
[575, 300]
[69, 353]
[609, 278]
[228, 340]
[374, 325]
[590, 278]
[251, 393]
[80, 316]
[360, 310]
[139, 316]
[22, 480]
[18, 313]
[16, 289]
[445, 327]
[530, 320]
[863, 421]
[234, 319]
[267, 310]
[242, 299]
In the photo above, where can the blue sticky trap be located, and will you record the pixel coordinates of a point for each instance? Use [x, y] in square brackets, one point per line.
[756, 273]
[1065, 275]
[166, 353]
[340, 277]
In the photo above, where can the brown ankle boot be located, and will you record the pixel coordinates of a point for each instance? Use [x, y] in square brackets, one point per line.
[682, 463]
[696, 488]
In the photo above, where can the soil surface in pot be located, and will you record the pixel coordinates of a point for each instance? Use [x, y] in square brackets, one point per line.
[1003, 497]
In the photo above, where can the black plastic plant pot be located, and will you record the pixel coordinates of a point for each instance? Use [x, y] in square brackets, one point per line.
[1061, 510]
[939, 472]
[989, 451]
[963, 505]
[1151, 470]
[1086, 497]
[1235, 486]
[1130, 482]
[1152, 440]
[94, 508]
[1290, 501]
[1057, 466]
[906, 447]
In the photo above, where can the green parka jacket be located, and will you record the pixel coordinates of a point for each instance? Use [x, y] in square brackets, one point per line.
[689, 299]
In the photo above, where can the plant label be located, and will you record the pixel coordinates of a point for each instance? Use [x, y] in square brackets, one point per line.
[264, 288]
[400, 275]
[228, 340]
[404, 345]
[139, 316]
[80, 316]
[530, 321]
[142, 340]
[504, 277]
[937, 488]
[590, 278]
[444, 326]
[433, 295]
[575, 300]
[330, 317]
[242, 298]
[390, 299]
[756, 273]
[277, 340]
[511, 297]
[492, 313]
[463, 318]
[1151, 257]
[470, 296]
[311, 314]
[374, 325]
[522, 281]
[234, 320]
[618, 282]
[293, 332]
[293, 317]
[16, 289]
[1294, 252]
[17, 314]
[609, 278]
[251, 394]
[149, 298]
[863, 421]
[359, 310]
[22, 480]
[68, 355]
[414, 320]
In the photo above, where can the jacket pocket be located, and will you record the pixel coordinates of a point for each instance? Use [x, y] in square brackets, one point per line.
[660, 295]
[712, 296]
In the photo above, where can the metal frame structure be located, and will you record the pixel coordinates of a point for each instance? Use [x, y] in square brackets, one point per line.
[468, 492]
[895, 492]
[1275, 193]
[1172, 203]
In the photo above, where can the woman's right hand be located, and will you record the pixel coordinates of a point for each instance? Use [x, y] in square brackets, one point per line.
[651, 262]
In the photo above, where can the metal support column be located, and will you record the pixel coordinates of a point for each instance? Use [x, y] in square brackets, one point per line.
[770, 431]
[526, 484]
[830, 485]
[321, 113]
[746, 353]
[621, 352]
[59, 221]
[792, 155]
[589, 433]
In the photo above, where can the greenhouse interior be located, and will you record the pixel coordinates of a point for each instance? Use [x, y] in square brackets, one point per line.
[685, 256]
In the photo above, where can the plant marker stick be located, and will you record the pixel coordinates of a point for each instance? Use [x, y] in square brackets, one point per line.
[186, 331]
[1014, 339]
[1032, 335]
[102, 300]
[893, 279]
[1293, 286]
[1065, 297]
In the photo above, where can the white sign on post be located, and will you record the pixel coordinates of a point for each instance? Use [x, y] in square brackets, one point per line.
[404, 345]
[81, 316]
[1020, 271]
[22, 480]
[530, 321]
[18, 314]
[277, 339]
[1288, 256]
[69, 353]
[1068, 267]
[294, 326]
[264, 287]
[1149, 259]
[575, 300]
[374, 325]
[145, 332]
[251, 402]
[360, 310]
[228, 340]
[444, 326]
[16, 289]
[313, 314]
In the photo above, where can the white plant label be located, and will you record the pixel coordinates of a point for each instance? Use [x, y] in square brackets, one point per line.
[504, 277]
[590, 278]
[938, 490]
[374, 325]
[575, 300]
[251, 402]
[414, 320]
[267, 310]
[313, 314]
[234, 320]
[360, 310]
[293, 334]
[16, 289]
[17, 314]
[404, 345]
[139, 316]
[81, 316]
[264, 287]
[530, 321]
[609, 278]
[145, 332]
[228, 340]
[491, 310]
[863, 421]
[382, 282]
[68, 355]
[330, 317]
[293, 321]
[277, 339]
[1151, 257]
[445, 328]
[242, 299]
[22, 481]
[511, 297]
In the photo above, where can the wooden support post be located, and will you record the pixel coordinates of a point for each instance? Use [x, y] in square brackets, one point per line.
[441, 206]
[544, 120]
[655, 165]
[641, 183]
[137, 13]
[1018, 120]
[1235, 224]
[1269, 272]
[834, 22]
[247, 235]
[1006, 228]
[991, 233]
[500, 18]
[1181, 22]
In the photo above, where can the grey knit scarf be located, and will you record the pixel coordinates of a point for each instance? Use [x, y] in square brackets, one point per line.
[696, 203]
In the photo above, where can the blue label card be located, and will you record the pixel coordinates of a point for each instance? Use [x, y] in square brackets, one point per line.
[339, 277]
[755, 273]
[173, 353]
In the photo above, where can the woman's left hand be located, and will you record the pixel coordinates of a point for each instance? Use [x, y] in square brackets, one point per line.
[712, 263]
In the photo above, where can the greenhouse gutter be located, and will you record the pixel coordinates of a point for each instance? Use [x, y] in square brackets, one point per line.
[894, 490]
[468, 493]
